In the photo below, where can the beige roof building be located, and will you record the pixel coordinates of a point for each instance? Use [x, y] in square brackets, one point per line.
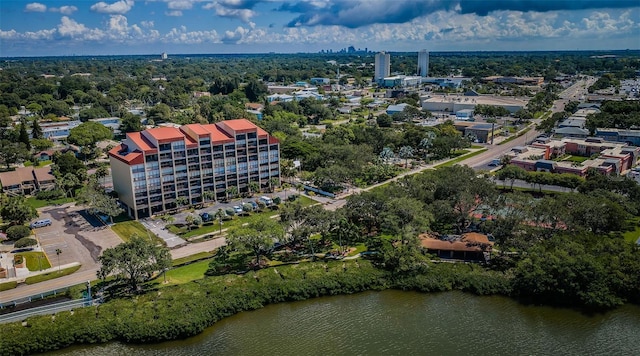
[27, 180]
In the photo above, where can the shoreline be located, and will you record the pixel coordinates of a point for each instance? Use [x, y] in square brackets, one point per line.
[182, 311]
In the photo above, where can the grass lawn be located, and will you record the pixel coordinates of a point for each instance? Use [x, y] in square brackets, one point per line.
[576, 159]
[51, 275]
[37, 203]
[36, 261]
[358, 248]
[196, 257]
[8, 285]
[632, 236]
[460, 159]
[184, 274]
[126, 229]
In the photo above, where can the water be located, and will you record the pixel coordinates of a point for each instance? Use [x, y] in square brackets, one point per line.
[403, 323]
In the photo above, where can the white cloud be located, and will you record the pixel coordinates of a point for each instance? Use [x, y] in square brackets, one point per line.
[244, 15]
[174, 13]
[180, 4]
[70, 28]
[119, 7]
[65, 10]
[35, 7]
[147, 24]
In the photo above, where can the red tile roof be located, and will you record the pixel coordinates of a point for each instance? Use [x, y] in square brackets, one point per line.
[141, 141]
[239, 125]
[165, 133]
[121, 153]
[217, 135]
[197, 129]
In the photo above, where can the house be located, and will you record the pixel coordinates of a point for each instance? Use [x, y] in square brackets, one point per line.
[469, 247]
[394, 109]
[27, 180]
[44, 155]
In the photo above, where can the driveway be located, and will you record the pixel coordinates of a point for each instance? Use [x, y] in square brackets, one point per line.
[158, 228]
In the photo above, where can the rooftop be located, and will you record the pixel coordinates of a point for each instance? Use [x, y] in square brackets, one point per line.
[165, 133]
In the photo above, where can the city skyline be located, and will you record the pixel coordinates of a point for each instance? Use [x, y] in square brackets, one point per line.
[78, 27]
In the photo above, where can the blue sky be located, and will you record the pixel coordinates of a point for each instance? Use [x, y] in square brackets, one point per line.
[89, 27]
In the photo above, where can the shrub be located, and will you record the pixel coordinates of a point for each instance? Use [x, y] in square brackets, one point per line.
[25, 242]
[277, 200]
[17, 232]
[50, 194]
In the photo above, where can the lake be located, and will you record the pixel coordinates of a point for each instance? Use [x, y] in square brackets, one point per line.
[403, 323]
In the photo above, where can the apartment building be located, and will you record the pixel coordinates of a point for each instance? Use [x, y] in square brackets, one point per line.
[27, 180]
[153, 168]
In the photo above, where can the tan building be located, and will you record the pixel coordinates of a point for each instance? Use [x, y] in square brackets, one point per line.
[152, 169]
[27, 180]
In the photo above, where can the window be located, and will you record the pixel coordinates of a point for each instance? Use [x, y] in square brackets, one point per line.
[165, 147]
[151, 158]
[251, 135]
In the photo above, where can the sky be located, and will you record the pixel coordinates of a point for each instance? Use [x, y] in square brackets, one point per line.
[89, 27]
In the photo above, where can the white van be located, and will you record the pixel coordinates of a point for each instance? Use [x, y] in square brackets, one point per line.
[266, 200]
[40, 223]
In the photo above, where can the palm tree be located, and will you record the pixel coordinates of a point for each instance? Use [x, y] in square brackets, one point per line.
[231, 191]
[405, 153]
[253, 188]
[387, 154]
[426, 143]
[58, 253]
[208, 195]
[273, 182]
[181, 201]
[220, 214]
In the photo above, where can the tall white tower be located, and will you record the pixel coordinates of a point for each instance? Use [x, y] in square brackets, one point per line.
[383, 66]
[423, 63]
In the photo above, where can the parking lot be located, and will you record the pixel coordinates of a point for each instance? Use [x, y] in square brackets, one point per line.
[76, 237]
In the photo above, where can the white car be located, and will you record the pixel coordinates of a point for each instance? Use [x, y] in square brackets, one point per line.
[237, 209]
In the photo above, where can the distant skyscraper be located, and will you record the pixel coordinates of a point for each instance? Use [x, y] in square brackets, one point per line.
[423, 63]
[383, 65]
[163, 55]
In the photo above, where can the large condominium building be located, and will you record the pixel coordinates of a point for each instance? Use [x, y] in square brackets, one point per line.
[383, 66]
[153, 168]
[423, 63]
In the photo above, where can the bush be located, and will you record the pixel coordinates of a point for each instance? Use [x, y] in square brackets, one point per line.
[17, 232]
[25, 242]
[277, 200]
[50, 194]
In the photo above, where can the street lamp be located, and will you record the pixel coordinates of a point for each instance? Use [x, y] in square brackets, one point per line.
[58, 252]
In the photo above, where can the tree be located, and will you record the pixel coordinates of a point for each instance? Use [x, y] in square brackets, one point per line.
[101, 172]
[511, 173]
[58, 253]
[23, 135]
[68, 183]
[253, 187]
[384, 120]
[18, 232]
[159, 113]
[67, 163]
[258, 236]
[231, 192]
[387, 155]
[208, 195]
[130, 123]
[25, 242]
[405, 153]
[17, 211]
[134, 261]
[254, 90]
[41, 144]
[88, 134]
[193, 219]
[12, 152]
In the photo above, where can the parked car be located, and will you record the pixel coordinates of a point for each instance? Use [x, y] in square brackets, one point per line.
[206, 217]
[40, 223]
[266, 200]
[237, 209]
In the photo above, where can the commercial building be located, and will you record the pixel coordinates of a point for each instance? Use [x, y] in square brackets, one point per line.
[27, 180]
[423, 63]
[455, 103]
[382, 66]
[629, 137]
[58, 130]
[605, 157]
[399, 81]
[514, 80]
[152, 169]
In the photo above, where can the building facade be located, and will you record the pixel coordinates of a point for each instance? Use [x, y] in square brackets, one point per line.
[152, 170]
[423, 63]
[382, 66]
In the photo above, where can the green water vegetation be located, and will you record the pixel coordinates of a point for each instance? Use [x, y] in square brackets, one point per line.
[51, 275]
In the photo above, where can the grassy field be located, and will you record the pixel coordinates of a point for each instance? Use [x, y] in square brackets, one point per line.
[126, 229]
[37, 203]
[196, 257]
[460, 159]
[51, 275]
[632, 236]
[8, 285]
[184, 274]
[36, 261]
[576, 159]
